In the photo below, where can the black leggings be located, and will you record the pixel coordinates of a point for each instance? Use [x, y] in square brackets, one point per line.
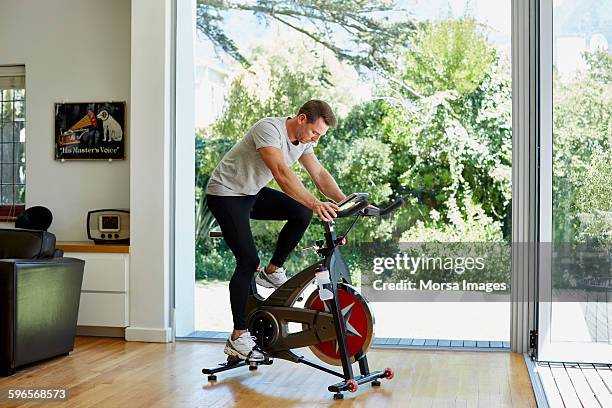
[233, 213]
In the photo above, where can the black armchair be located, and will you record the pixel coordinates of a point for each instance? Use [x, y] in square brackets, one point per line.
[39, 298]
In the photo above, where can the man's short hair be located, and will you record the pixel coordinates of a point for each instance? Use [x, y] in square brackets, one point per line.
[315, 109]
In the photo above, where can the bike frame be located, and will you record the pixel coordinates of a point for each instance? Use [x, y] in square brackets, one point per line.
[269, 318]
[280, 304]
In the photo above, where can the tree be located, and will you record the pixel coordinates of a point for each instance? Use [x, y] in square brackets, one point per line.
[446, 144]
[372, 37]
[450, 55]
[279, 82]
[582, 114]
[593, 204]
[454, 144]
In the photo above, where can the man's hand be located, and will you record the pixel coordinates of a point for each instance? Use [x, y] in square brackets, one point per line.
[325, 210]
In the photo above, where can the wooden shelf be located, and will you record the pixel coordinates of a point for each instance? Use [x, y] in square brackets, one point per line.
[89, 246]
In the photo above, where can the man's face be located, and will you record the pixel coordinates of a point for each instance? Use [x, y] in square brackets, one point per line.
[310, 132]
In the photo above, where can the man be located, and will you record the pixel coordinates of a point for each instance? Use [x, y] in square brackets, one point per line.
[237, 192]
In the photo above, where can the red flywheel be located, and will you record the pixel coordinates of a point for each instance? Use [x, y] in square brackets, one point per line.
[358, 319]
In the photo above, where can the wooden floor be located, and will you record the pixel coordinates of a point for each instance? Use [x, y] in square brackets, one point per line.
[104, 372]
[576, 385]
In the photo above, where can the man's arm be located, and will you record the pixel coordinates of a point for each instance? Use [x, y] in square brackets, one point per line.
[320, 176]
[292, 186]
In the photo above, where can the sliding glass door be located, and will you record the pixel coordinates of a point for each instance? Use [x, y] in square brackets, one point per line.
[575, 285]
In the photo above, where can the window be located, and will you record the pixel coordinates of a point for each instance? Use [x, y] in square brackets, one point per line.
[410, 118]
[12, 142]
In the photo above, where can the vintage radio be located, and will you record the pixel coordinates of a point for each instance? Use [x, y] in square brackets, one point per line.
[109, 226]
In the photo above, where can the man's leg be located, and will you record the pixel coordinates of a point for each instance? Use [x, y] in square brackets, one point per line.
[232, 214]
[275, 205]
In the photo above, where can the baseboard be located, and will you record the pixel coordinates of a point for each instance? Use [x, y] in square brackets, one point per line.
[97, 331]
[148, 335]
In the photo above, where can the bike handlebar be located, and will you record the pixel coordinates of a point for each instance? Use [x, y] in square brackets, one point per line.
[371, 212]
[350, 211]
[377, 212]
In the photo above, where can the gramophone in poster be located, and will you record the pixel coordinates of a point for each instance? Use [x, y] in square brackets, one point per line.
[90, 131]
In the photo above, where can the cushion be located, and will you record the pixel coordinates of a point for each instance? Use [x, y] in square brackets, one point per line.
[26, 244]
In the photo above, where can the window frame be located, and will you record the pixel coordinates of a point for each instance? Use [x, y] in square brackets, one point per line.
[10, 212]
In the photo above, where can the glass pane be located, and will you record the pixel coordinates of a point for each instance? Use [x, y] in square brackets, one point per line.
[5, 152]
[431, 121]
[15, 128]
[20, 176]
[19, 94]
[8, 171]
[3, 118]
[6, 193]
[10, 132]
[18, 170]
[582, 173]
[9, 152]
[21, 131]
[20, 194]
[19, 110]
[21, 155]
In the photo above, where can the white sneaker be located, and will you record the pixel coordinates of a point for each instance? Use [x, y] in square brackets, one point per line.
[271, 280]
[244, 347]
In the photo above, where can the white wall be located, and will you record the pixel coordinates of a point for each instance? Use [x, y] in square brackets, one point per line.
[80, 50]
[73, 50]
[150, 172]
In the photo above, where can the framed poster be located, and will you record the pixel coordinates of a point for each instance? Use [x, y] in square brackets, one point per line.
[90, 131]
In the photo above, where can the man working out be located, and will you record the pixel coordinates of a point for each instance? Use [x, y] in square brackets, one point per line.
[237, 192]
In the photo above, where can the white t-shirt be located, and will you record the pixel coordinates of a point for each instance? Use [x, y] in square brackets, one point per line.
[242, 171]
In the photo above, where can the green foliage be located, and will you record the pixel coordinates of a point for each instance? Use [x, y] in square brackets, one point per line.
[278, 84]
[600, 64]
[448, 55]
[593, 203]
[361, 165]
[473, 226]
[213, 260]
[582, 136]
[287, 92]
[448, 152]
[209, 152]
[454, 145]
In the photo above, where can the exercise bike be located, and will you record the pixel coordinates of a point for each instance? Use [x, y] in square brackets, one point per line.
[339, 331]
